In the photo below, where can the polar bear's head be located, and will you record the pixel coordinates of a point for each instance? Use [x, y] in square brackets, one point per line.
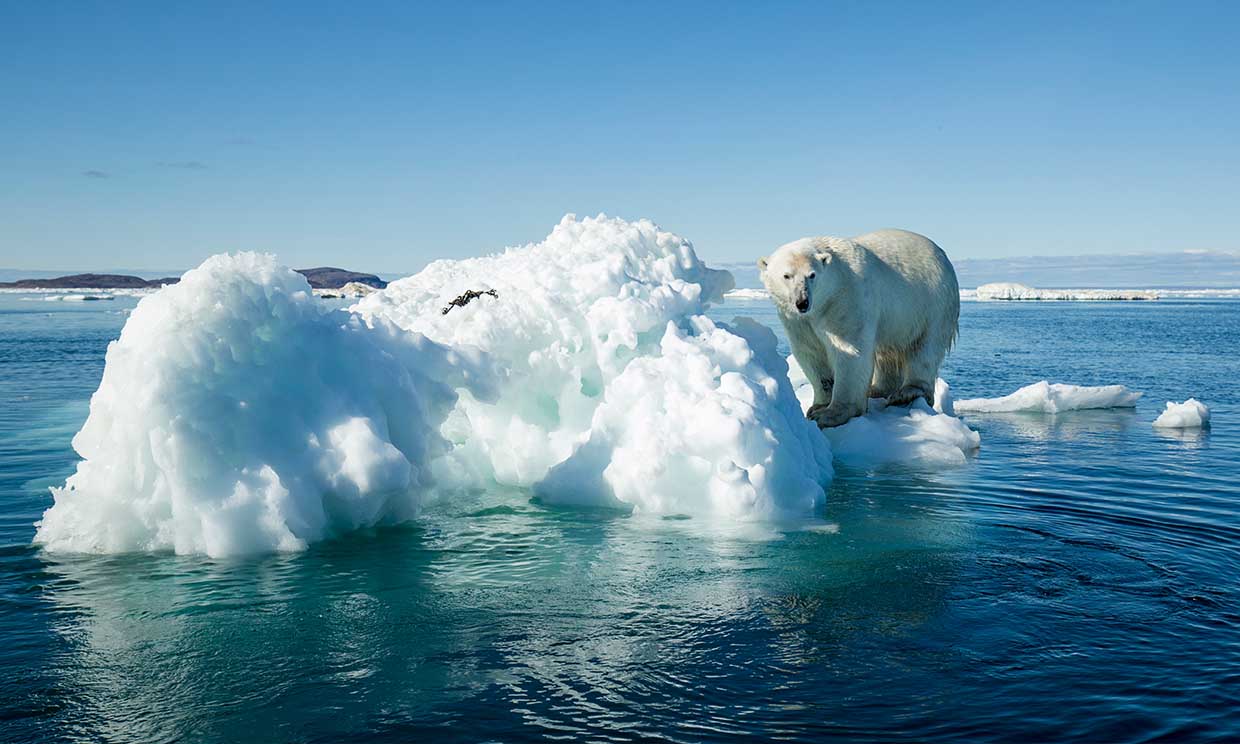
[799, 273]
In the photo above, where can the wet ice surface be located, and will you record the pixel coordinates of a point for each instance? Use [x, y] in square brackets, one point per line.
[1073, 578]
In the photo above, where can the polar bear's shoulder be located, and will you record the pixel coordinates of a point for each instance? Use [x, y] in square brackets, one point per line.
[893, 238]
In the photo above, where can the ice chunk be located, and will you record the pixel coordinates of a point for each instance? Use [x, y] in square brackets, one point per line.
[943, 402]
[237, 414]
[918, 433]
[1046, 397]
[708, 426]
[1191, 414]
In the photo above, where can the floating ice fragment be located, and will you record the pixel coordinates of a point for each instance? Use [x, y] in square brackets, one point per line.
[1046, 397]
[1191, 414]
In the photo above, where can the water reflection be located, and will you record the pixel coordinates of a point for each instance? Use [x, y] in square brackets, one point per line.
[1187, 439]
[1069, 425]
[569, 622]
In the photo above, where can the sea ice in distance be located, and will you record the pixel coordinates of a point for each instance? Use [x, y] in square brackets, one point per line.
[1014, 291]
[1046, 397]
[1191, 414]
[747, 293]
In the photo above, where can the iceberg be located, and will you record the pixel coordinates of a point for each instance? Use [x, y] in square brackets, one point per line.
[239, 414]
[1191, 414]
[1046, 397]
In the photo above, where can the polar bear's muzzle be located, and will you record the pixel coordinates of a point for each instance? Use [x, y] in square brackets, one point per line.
[802, 301]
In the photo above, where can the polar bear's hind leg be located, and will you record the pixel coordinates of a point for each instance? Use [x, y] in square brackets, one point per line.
[889, 373]
[921, 370]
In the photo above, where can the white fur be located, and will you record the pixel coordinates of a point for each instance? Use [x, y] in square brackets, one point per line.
[877, 314]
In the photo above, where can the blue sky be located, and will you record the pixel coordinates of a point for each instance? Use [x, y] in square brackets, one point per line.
[150, 135]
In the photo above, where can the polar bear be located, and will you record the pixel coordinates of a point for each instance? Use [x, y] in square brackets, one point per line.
[870, 316]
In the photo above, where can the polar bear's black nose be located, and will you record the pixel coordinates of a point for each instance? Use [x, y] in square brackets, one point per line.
[803, 305]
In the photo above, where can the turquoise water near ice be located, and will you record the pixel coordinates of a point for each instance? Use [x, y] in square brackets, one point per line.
[1076, 580]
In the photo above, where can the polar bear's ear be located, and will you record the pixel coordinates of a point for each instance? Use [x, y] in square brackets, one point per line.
[762, 263]
[824, 256]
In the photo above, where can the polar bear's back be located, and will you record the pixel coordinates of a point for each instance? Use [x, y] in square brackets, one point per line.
[915, 258]
[914, 277]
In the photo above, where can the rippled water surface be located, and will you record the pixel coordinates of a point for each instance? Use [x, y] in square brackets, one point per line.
[1077, 579]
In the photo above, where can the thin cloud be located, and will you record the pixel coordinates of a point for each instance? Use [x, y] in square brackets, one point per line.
[96, 174]
[182, 164]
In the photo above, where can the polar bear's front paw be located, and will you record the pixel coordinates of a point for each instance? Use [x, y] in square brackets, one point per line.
[827, 417]
[907, 394]
[814, 410]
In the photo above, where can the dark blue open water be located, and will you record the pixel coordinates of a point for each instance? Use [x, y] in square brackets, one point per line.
[1077, 580]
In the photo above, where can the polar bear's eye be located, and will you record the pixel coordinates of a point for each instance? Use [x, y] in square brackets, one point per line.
[787, 276]
[811, 275]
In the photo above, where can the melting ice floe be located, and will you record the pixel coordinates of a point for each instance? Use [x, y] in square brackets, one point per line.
[919, 433]
[1191, 414]
[1046, 397]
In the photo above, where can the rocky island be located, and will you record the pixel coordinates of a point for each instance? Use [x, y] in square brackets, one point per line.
[323, 277]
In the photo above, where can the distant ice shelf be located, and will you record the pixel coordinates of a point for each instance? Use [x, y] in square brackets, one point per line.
[746, 293]
[1014, 291]
[79, 297]
[1019, 292]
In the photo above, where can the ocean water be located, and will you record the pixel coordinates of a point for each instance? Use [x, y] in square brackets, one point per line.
[1077, 579]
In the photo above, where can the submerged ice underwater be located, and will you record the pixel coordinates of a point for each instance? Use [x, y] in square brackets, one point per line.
[619, 519]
